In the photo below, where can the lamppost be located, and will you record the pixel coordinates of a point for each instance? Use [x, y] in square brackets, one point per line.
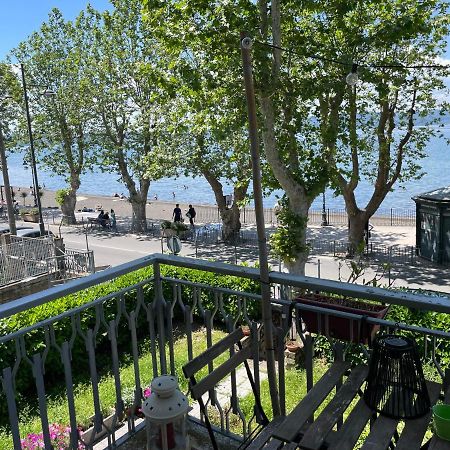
[32, 153]
[324, 211]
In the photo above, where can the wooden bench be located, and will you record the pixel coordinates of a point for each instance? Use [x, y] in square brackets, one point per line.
[237, 354]
[297, 431]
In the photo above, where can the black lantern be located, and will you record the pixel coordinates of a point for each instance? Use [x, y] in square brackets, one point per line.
[395, 384]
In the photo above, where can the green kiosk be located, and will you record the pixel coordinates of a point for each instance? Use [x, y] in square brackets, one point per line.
[433, 225]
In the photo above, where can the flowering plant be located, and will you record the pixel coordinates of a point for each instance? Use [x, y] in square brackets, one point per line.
[129, 400]
[59, 435]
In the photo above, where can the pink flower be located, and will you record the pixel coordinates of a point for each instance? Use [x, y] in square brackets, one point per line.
[147, 392]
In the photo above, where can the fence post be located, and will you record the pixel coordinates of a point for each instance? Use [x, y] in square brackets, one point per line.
[389, 265]
[391, 217]
[318, 268]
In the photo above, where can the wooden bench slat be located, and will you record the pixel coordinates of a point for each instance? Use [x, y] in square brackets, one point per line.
[260, 440]
[213, 352]
[352, 428]
[289, 429]
[380, 434]
[220, 372]
[414, 431]
[316, 433]
[274, 444]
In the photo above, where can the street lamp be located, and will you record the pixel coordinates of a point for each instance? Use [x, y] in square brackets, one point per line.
[324, 211]
[33, 156]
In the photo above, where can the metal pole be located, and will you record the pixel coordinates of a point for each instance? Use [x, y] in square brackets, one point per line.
[246, 44]
[33, 156]
[324, 211]
[8, 196]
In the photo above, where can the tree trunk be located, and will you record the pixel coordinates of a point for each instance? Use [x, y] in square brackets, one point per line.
[356, 226]
[297, 267]
[68, 207]
[231, 217]
[139, 219]
[9, 200]
[299, 205]
[231, 223]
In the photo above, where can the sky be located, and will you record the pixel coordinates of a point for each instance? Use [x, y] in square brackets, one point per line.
[19, 18]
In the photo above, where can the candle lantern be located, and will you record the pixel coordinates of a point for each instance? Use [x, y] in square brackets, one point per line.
[165, 413]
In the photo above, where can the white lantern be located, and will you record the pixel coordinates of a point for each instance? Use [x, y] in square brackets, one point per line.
[165, 413]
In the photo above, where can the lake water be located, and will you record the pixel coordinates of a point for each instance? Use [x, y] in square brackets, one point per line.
[197, 191]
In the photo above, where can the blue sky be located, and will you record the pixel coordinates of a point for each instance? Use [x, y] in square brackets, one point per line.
[19, 18]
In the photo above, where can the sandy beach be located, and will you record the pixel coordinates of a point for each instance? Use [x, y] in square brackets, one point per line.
[158, 210]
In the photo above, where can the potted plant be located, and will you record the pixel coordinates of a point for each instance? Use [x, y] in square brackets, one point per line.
[346, 329]
[166, 229]
[169, 229]
[30, 215]
[180, 229]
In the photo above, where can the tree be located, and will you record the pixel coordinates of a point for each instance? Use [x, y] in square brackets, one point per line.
[56, 58]
[10, 93]
[209, 115]
[24, 195]
[377, 136]
[212, 31]
[301, 93]
[334, 35]
[133, 94]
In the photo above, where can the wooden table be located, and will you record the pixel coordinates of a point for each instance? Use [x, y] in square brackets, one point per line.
[297, 431]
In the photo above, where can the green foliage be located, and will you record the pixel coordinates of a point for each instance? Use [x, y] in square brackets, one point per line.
[166, 225]
[288, 241]
[61, 194]
[208, 299]
[179, 227]
[32, 211]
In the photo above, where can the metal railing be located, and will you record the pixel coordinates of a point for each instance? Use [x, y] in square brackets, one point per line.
[156, 317]
[25, 258]
[385, 217]
[72, 264]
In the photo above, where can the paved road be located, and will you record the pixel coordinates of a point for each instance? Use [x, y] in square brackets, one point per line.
[117, 248]
[114, 248]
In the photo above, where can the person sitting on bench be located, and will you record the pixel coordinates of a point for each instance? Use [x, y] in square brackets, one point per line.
[101, 219]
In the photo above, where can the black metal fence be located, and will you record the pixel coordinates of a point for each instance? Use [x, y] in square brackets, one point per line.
[386, 217]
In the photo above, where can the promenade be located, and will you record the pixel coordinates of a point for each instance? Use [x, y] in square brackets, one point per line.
[116, 248]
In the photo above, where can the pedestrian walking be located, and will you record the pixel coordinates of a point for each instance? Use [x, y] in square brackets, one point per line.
[176, 213]
[191, 215]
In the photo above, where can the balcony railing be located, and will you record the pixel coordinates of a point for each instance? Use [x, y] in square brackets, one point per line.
[148, 326]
